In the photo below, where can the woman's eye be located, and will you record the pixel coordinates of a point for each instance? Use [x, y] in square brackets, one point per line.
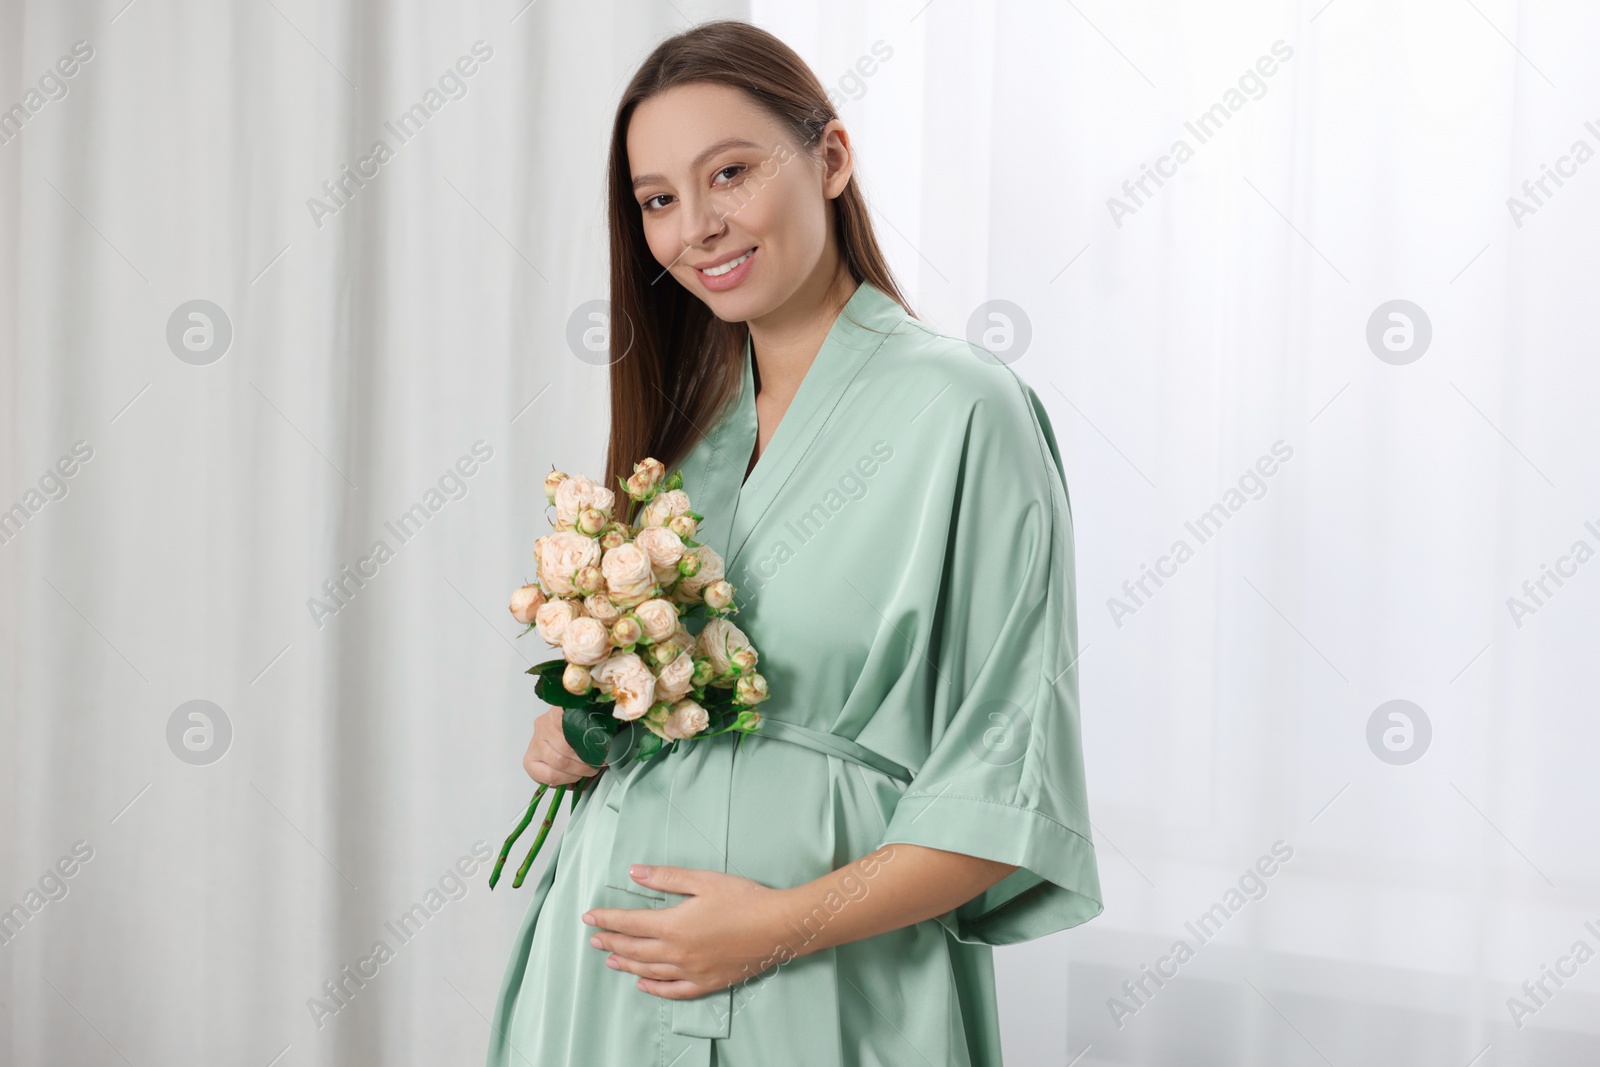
[735, 167]
[647, 205]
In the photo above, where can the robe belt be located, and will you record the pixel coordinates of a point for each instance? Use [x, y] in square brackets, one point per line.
[685, 824]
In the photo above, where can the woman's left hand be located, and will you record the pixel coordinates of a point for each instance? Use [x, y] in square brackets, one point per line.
[729, 929]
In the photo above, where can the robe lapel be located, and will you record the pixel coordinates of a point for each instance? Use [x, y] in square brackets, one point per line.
[714, 489]
[860, 328]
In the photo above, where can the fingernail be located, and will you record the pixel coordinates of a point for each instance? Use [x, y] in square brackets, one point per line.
[611, 961]
[595, 941]
[588, 919]
[639, 870]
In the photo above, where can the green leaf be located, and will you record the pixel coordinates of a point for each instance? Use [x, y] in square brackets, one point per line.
[649, 746]
[551, 691]
[589, 730]
[540, 668]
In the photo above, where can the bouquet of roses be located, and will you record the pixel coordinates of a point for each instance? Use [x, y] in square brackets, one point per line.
[614, 598]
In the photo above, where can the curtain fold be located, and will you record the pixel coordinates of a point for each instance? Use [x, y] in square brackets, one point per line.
[288, 294]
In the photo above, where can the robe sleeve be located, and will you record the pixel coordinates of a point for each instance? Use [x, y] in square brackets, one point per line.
[1004, 776]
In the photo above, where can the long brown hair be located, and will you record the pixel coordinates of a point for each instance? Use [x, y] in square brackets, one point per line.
[675, 365]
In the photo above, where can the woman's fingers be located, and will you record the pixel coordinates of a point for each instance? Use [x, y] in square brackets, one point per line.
[545, 774]
[568, 764]
[550, 760]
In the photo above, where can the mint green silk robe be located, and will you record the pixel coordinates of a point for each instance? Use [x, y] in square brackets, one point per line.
[902, 553]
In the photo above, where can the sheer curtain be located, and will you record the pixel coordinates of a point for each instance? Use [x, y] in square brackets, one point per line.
[1323, 353]
[1296, 500]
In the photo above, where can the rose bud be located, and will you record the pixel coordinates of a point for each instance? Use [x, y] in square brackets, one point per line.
[656, 720]
[752, 689]
[525, 604]
[551, 480]
[744, 659]
[703, 673]
[591, 521]
[626, 631]
[589, 580]
[611, 537]
[656, 468]
[684, 526]
[641, 484]
[689, 565]
[663, 652]
[576, 679]
[718, 595]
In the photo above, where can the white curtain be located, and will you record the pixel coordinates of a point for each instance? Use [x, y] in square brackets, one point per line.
[1379, 502]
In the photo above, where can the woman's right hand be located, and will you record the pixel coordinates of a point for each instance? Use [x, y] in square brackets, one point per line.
[550, 760]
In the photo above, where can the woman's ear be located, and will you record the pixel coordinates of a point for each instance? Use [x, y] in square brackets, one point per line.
[838, 159]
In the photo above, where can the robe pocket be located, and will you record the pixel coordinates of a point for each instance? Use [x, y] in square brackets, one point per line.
[611, 896]
[633, 841]
[634, 892]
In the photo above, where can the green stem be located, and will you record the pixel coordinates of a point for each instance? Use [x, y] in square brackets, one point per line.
[734, 725]
[505, 849]
[544, 830]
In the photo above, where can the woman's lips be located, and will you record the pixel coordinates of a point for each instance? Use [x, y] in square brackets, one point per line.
[718, 283]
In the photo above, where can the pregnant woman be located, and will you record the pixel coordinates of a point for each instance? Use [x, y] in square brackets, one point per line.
[890, 504]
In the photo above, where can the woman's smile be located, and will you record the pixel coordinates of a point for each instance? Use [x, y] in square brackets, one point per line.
[727, 273]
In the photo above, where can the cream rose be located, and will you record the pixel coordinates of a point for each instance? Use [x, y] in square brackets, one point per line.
[526, 602]
[629, 577]
[658, 617]
[585, 641]
[600, 606]
[576, 493]
[720, 640]
[685, 720]
[626, 679]
[560, 556]
[673, 681]
[692, 587]
[552, 619]
[664, 548]
[664, 507]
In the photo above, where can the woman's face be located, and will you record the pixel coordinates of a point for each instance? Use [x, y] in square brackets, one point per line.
[718, 181]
